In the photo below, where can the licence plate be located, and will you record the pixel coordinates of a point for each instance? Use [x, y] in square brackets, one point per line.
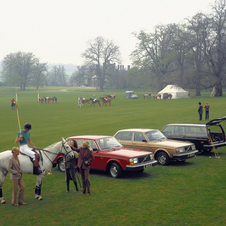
[148, 165]
[190, 155]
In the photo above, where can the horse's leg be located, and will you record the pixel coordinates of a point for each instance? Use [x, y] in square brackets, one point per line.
[38, 186]
[2, 179]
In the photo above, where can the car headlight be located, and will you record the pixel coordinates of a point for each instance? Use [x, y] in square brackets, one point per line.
[193, 147]
[151, 157]
[133, 161]
[180, 150]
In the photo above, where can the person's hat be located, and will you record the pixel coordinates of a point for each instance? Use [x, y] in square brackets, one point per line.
[27, 126]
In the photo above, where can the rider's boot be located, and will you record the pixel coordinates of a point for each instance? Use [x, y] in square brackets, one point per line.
[36, 170]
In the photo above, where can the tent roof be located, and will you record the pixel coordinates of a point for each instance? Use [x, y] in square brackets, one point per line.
[172, 88]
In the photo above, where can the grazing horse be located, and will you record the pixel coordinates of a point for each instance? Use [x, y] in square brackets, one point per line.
[79, 102]
[47, 156]
[105, 101]
[13, 104]
[94, 102]
[85, 101]
[147, 95]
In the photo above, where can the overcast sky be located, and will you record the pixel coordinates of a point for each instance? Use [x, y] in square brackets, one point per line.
[57, 31]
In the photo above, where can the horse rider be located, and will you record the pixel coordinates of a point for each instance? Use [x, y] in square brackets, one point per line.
[13, 103]
[94, 97]
[23, 138]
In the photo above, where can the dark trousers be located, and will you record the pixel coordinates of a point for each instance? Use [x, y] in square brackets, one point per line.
[85, 180]
[207, 115]
[200, 117]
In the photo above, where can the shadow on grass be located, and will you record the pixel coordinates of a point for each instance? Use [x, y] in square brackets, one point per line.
[126, 175]
[181, 164]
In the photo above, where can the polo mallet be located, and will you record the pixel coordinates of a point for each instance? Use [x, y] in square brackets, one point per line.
[18, 117]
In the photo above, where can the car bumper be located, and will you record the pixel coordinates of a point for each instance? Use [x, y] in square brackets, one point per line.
[185, 155]
[141, 166]
[216, 145]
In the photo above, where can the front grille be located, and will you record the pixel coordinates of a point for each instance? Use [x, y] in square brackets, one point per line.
[141, 159]
[188, 148]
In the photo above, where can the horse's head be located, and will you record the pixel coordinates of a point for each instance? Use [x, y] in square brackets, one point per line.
[67, 148]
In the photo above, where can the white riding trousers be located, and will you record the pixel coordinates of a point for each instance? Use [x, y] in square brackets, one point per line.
[27, 151]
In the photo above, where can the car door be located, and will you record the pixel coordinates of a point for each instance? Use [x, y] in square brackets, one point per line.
[140, 142]
[126, 139]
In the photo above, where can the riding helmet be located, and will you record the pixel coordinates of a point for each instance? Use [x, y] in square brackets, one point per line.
[27, 126]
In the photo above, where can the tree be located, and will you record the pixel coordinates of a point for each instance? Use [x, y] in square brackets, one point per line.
[99, 54]
[215, 43]
[38, 76]
[18, 68]
[154, 53]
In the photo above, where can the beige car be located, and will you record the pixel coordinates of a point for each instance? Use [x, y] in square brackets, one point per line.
[153, 140]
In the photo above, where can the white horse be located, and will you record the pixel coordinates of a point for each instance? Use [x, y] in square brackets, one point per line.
[47, 156]
[79, 102]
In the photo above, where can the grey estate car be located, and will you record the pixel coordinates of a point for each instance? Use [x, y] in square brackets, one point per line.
[204, 136]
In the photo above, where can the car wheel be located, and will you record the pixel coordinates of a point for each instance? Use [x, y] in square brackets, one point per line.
[163, 158]
[115, 170]
[61, 165]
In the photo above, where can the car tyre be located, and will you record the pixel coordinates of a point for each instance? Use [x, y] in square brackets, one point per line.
[61, 165]
[115, 170]
[163, 158]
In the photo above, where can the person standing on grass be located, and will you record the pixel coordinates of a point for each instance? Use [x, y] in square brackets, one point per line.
[71, 166]
[200, 111]
[16, 177]
[84, 162]
[207, 107]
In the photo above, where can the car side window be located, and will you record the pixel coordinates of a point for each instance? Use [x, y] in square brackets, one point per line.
[139, 137]
[118, 136]
[168, 130]
[178, 130]
[93, 145]
[127, 136]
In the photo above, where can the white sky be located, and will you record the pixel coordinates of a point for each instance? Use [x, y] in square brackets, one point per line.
[57, 31]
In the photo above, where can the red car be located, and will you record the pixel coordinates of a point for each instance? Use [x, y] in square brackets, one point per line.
[111, 156]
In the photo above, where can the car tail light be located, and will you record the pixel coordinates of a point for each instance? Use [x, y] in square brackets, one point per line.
[209, 139]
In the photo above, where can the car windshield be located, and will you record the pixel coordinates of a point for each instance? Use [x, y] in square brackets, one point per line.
[108, 143]
[155, 135]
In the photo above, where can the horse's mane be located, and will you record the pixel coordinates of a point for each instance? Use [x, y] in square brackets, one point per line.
[52, 145]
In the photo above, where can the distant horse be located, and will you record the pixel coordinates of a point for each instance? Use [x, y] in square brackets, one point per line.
[52, 99]
[164, 95]
[41, 99]
[13, 104]
[85, 101]
[147, 95]
[105, 101]
[79, 102]
[169, 96]
[110, 96]
[94, 102]
[155, 96]
[48, 155]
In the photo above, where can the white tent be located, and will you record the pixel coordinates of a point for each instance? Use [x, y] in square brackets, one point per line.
[176, 91]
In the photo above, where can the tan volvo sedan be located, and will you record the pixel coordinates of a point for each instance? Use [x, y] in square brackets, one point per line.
[153, 140]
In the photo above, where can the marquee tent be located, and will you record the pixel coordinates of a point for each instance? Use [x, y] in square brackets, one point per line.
[176, 91]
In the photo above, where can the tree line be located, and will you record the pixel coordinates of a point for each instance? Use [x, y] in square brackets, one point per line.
[191, 54]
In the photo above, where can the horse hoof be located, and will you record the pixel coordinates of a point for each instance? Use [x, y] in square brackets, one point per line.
[37, 196]
[40, 198]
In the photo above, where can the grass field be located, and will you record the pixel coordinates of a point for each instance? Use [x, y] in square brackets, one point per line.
[189, 193]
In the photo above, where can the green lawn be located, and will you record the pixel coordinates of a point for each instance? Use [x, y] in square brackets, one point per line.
[189, 193]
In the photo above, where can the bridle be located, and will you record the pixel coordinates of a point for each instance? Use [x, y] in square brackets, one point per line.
[67, 152]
